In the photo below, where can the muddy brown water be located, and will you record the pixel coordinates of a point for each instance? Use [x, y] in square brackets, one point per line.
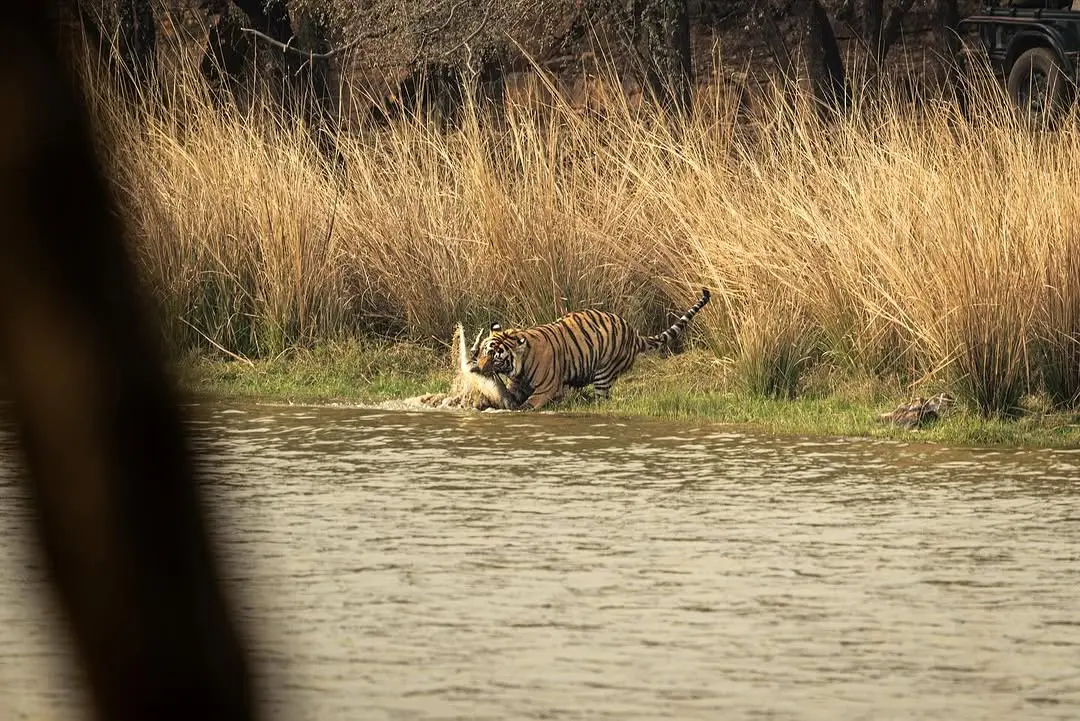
[453, 565]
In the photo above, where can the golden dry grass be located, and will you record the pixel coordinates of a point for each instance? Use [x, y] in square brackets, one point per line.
[901, 243]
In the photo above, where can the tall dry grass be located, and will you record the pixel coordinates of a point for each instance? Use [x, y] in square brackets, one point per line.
[900, 241]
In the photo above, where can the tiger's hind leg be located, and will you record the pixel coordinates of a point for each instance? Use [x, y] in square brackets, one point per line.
[591, 395]
[606, 377]
[585, 395]
[602, 388]
[601, 394]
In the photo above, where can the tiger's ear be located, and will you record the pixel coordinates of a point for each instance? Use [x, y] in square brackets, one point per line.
[521, 340]
[495, 327]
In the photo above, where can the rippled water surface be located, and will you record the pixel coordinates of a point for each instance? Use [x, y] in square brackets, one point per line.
[512, 566]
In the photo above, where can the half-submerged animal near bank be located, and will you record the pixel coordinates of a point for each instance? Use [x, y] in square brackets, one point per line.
[586, 347]
[918, 413]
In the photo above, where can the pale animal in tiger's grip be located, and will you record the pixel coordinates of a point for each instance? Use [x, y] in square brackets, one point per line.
[586, 347]
[469, 390]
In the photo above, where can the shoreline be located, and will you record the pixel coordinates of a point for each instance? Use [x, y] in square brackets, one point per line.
[691, 386]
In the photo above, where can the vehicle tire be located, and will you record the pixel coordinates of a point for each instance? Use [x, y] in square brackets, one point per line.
[1039, 87]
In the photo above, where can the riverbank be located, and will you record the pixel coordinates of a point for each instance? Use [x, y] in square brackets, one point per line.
[910, 245]
[693, 385]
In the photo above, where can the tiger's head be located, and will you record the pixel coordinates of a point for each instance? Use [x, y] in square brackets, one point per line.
[501, 353]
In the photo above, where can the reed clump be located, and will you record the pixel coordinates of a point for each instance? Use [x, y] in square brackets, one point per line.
[899, 241]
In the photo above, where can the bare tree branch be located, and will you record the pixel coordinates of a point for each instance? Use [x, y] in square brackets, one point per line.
[471, 36]
[307, 54]
[450, 16]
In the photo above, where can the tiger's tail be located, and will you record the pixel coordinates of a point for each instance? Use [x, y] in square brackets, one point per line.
[655, 341]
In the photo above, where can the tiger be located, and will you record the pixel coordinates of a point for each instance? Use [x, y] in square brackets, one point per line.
[540, 364]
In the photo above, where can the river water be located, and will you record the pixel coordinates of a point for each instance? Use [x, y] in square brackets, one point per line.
[444, 565]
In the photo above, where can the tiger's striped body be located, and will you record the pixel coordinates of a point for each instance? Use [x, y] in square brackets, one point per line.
[581, 348]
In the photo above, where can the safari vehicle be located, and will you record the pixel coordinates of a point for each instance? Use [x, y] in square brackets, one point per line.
[1035, 46]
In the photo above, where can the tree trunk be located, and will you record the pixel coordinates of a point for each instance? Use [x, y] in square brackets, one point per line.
[873, 18]
[225, 58]
[766, 25]
[816, 51]
[890, 33]
[824, 62]
[881, 31]
[300, 83]
[948, 20]
[663, 44]
[269, 16]
[314, 80]
[953, 60]
[138, 41]
[272, 18]
[90, 28]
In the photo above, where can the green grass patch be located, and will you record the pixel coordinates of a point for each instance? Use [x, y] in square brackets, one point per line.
[361, 372]
[691, 386]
